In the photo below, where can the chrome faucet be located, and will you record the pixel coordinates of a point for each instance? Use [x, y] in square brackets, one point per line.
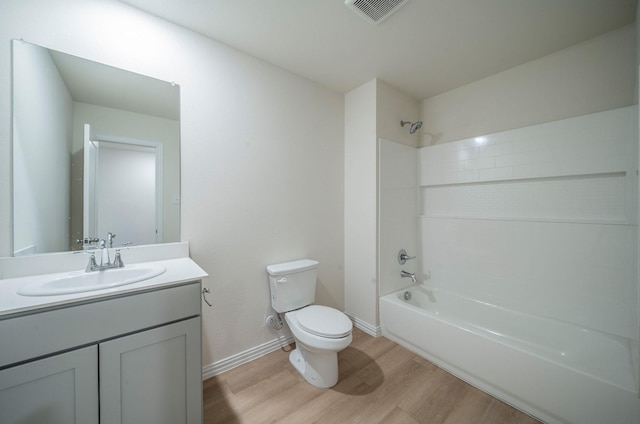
[104, 256]
[404, 273]
[110, 237]
[105, 261]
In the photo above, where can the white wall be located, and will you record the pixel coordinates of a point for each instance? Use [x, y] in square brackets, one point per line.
[360, 197]
[372, 111]
[261, 154]
[397, 206]
[540, 219]
[42, 124]
[397, 171]
[593, 76]
[124, 124]
[393, 106]
[597, 75]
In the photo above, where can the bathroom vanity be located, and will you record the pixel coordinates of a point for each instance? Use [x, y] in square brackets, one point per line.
[130, 354]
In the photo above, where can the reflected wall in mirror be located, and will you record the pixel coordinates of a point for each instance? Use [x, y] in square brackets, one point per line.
[127, 182]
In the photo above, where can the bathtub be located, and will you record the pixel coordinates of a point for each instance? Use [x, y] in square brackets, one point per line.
[554, 371]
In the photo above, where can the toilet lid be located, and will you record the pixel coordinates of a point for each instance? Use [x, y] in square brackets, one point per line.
[324, 321]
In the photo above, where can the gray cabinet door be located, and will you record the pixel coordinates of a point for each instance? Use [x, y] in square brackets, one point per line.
[153, 377]
[61, 389]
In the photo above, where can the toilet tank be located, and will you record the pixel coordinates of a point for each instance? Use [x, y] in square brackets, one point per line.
[293, 284]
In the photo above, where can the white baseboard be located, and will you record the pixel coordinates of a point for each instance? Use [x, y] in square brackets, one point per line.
[249, 355]
[372, 330]
[241, 358]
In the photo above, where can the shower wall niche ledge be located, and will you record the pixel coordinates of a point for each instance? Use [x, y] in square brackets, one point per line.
[575, 170]
[598, 198]
[599, 143]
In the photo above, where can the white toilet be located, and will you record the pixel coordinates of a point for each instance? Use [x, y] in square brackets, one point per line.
[320, 332]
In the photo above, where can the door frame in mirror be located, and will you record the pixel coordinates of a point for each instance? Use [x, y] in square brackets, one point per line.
[91, 180]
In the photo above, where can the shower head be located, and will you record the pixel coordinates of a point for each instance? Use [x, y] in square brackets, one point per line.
[415, 126]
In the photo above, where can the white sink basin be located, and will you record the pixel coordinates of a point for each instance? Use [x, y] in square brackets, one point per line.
[81, 281]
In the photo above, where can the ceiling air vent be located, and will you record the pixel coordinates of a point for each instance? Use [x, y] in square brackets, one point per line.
[375, 11]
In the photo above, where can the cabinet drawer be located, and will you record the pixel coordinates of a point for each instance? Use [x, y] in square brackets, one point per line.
[44, 333]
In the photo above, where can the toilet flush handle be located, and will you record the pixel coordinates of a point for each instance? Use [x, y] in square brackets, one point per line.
[281, 280]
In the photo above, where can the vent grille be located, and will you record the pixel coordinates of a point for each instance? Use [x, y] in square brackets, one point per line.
[375, 11]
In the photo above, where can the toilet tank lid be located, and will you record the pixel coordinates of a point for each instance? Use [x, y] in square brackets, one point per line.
[294, 266]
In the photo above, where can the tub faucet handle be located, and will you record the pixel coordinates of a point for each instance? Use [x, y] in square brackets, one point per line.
[403, 257]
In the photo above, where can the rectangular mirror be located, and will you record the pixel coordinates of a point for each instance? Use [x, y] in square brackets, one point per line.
[96, 150]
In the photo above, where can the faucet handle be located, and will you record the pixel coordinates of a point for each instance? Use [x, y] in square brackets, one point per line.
[117, 260]
[92, 265]
[403, 257]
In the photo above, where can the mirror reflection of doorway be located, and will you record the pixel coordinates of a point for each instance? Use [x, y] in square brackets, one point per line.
[123, 189]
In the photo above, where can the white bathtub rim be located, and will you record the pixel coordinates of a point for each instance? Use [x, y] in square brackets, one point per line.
[462, 325]
[427, 287]
[581, 395]
[477, 382]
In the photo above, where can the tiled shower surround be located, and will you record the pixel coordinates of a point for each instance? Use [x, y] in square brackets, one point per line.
[539, 222]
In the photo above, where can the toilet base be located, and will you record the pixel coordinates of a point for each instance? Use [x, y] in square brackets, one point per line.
[319, 369]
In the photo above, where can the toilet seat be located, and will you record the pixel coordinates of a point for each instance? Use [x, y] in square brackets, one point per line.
[324, 321]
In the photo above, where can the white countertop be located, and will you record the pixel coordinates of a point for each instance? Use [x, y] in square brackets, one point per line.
[178, 270]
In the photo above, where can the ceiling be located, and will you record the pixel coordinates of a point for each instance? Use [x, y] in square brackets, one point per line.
[94, 83]
[425, 48]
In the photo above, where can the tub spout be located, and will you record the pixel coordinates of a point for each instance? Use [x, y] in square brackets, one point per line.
[404, 273]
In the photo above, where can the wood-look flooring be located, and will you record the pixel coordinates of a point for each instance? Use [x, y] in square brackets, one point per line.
[380, 383]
